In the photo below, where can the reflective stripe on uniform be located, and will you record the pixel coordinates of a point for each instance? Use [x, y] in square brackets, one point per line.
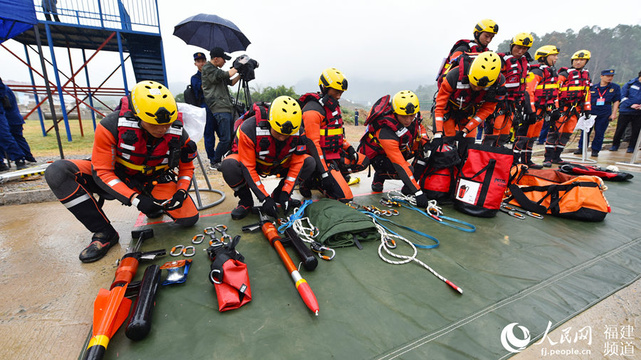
[331, 132]
[142, 168]
[76, 201]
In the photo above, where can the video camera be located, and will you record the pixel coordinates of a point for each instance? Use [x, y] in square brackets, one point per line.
[245, 66]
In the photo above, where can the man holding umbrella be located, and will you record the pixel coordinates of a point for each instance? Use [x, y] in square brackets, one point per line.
[215, 82]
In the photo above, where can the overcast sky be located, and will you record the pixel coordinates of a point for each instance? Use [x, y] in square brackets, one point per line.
[392, 40]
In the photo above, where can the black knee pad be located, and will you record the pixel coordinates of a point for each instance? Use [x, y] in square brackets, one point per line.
[61, 178]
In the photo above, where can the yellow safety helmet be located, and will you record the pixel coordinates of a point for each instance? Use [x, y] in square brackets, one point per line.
[485, 69]
[405, 103]
[153, 103]
[581, 55]
[544, 51]
[522, 39]
[486, 25]
[285, 115]
[333, 78]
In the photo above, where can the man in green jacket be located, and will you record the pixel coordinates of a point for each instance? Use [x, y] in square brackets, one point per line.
[218, 99]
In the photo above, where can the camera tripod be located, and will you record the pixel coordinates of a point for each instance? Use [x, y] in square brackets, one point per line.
[247, 94]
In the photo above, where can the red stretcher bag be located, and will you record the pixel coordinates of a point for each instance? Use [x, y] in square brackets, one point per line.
[482, 181]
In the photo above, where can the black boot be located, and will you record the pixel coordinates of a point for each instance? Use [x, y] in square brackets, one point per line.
[20, 164]
[557, 156]
[549, 155]
[527, 156]
[377, 183]
[245, 203]
[101, 242]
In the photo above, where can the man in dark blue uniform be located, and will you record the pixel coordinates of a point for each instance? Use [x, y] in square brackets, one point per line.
[209, 135]
[605, 98]
[629, 113]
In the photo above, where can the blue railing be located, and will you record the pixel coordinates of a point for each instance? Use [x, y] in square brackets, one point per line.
[127, 15]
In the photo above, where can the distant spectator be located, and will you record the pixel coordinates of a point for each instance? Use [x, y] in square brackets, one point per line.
[8, 144]
[629, 112]
[216, 91]
[209, 135]
[49, 8]
[605, 97]
[15, 120]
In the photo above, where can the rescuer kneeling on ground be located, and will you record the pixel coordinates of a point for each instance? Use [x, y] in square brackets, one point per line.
[136, 153]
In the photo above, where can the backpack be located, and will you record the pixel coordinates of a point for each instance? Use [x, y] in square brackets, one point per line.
[556, 193]
[190, 96]
[262, 107]
[439, 177]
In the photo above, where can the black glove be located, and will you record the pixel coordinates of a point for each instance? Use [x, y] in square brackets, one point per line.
[587, 114]
[283, 200]
[421, 200]
[147, 205]
[555, 115]
[530, 119]
[436, 143]
[329, 185]
[177, 200]
[352, 154]
[460, 137]
[269, 207]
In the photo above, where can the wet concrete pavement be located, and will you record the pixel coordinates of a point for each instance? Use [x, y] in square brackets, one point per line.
[46, 302]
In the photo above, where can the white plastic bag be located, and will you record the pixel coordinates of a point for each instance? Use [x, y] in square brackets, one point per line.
[194, 119]
[584, 123]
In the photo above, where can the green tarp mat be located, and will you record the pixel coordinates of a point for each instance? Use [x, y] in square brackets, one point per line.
[529, 272]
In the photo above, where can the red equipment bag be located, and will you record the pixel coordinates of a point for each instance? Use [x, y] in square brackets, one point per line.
[439, 177]
[229, 275]
[482, 180]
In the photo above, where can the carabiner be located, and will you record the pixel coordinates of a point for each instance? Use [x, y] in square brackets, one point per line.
[320, 249]
[177, 250]
[198, 239]
[534, 215]
[389, 242]
[506, 209]
[222, 229]
[186, 252]
[209, 230]
[212, 278]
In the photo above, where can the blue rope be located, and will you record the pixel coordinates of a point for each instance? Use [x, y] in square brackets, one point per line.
[379, 218]
[298, 214]
[470, 227]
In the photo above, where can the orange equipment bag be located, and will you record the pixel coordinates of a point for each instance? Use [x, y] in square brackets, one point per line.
[558, 194]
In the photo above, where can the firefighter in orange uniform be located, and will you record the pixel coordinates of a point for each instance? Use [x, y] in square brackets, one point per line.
[574, 100]
[484, 32]
[394, 135]
[326, 143]
[515, 69]
[135, 155]
[271, 142]
[543, 89]
[467, 96]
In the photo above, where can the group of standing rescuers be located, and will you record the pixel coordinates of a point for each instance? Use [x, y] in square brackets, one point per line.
[142, 155]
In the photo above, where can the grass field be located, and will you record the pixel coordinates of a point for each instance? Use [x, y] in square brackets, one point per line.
[48, 145]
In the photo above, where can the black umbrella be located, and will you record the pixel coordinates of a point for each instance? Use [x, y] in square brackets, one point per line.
[210, 31]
